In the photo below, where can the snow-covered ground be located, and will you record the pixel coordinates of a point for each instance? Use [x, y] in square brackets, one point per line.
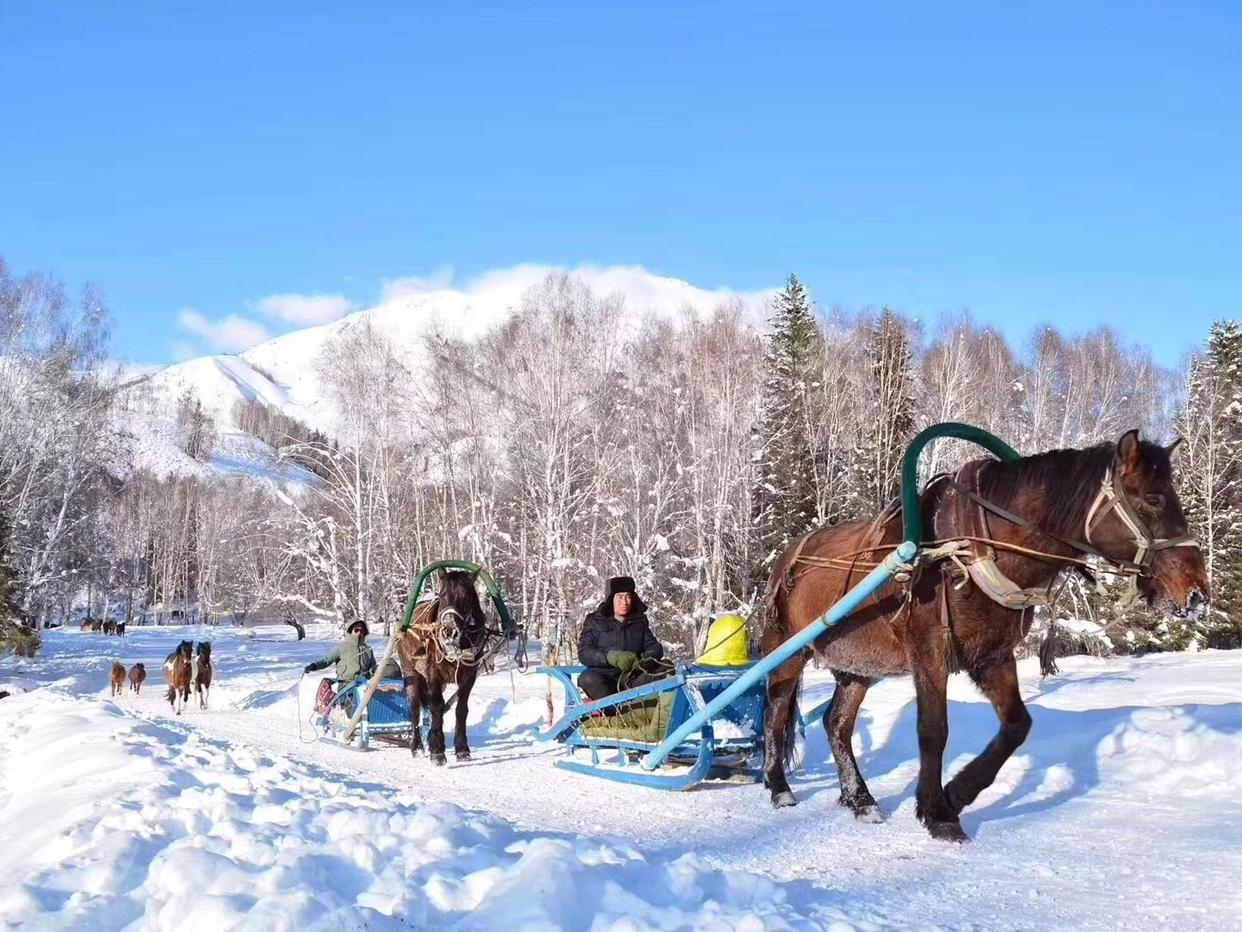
[1123, 810]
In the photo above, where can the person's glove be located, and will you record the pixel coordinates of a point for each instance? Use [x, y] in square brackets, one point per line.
[623, 660]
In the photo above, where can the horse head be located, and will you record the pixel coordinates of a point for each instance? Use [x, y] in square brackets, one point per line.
[458, 599]
[1137, 517]
[204, 651]
[185, 650]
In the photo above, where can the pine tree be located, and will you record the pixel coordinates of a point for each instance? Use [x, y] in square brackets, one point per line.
[16, 634]
[783, 501]
[1210, 474]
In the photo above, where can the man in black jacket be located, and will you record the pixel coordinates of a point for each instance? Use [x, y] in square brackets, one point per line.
[615, 638]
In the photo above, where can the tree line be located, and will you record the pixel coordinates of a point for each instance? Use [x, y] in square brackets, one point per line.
[573, 441]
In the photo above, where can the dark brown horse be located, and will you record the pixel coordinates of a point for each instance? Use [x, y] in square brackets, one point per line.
[137, 675]
[1022, 523]
[442, 648]
[202, 673]
[178, 669]
[117, 679]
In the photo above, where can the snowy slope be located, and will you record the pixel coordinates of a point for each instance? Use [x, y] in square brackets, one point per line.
[283, 373]
[406, 321]
[1123, 810]
[150, 439]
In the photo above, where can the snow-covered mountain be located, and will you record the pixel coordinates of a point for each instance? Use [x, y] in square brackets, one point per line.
[282, 374]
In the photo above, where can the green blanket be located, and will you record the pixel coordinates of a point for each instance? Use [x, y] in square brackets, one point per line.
[645, 721]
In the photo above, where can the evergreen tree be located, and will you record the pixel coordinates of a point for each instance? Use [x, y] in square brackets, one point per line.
[16, 634]
[1210, 474]
[783, 502]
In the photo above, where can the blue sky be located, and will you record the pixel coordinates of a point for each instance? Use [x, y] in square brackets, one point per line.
[1063, 162]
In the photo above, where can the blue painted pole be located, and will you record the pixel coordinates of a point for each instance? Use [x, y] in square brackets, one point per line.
[904, 553]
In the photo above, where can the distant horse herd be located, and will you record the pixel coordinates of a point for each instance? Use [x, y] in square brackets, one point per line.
[104, 626]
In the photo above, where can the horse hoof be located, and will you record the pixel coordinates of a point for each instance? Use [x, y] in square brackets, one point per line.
[869, 814]
[415, 751]
[439, 760]
[948, 831]
[783, 800]
[462, 755]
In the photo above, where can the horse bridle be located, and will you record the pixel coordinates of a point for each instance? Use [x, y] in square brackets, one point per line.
[1112, 499]
[1109, 499]
[450, 625]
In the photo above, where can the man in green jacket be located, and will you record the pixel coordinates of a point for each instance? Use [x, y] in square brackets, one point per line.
[353, 657]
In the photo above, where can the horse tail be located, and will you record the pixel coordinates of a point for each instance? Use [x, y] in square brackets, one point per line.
[791, 723]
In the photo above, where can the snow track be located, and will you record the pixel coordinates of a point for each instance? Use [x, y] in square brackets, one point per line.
[1122, 810]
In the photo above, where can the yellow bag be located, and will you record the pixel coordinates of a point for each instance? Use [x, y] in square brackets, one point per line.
[726, 643]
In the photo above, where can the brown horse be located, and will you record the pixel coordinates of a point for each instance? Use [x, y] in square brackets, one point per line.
[120, 629]
[1022, 522]
[87, 624]
[137, 675]
[202, 673]
[117, 680]
[443, 647]
[109, 627]
[178, 668]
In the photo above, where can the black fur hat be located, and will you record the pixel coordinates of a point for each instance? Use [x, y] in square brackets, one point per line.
[620, 584]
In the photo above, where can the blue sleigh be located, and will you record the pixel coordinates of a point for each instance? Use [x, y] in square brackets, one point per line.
[611, 737]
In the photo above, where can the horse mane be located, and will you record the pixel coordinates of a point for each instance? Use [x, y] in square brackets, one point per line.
[1069, 480]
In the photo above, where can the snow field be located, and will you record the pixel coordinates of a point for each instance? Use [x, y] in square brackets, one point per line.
[1122, 810]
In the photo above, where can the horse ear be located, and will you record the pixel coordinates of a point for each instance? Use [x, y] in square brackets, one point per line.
[1172, 448]
[1130, 450]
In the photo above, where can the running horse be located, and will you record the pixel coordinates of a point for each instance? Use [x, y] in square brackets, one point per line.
[202, 673]
[1002, 532]
[178, 670]
[443, 646]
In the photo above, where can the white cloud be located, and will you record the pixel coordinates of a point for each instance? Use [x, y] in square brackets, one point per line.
[230, 334]
[305, 310]
[409, 286]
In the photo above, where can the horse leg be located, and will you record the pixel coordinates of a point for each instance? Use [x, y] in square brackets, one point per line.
[778, 728]
[435, 741]
[1000, 684]
[414, 686]
[839, 722]
[931, 680]
[461, 748]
